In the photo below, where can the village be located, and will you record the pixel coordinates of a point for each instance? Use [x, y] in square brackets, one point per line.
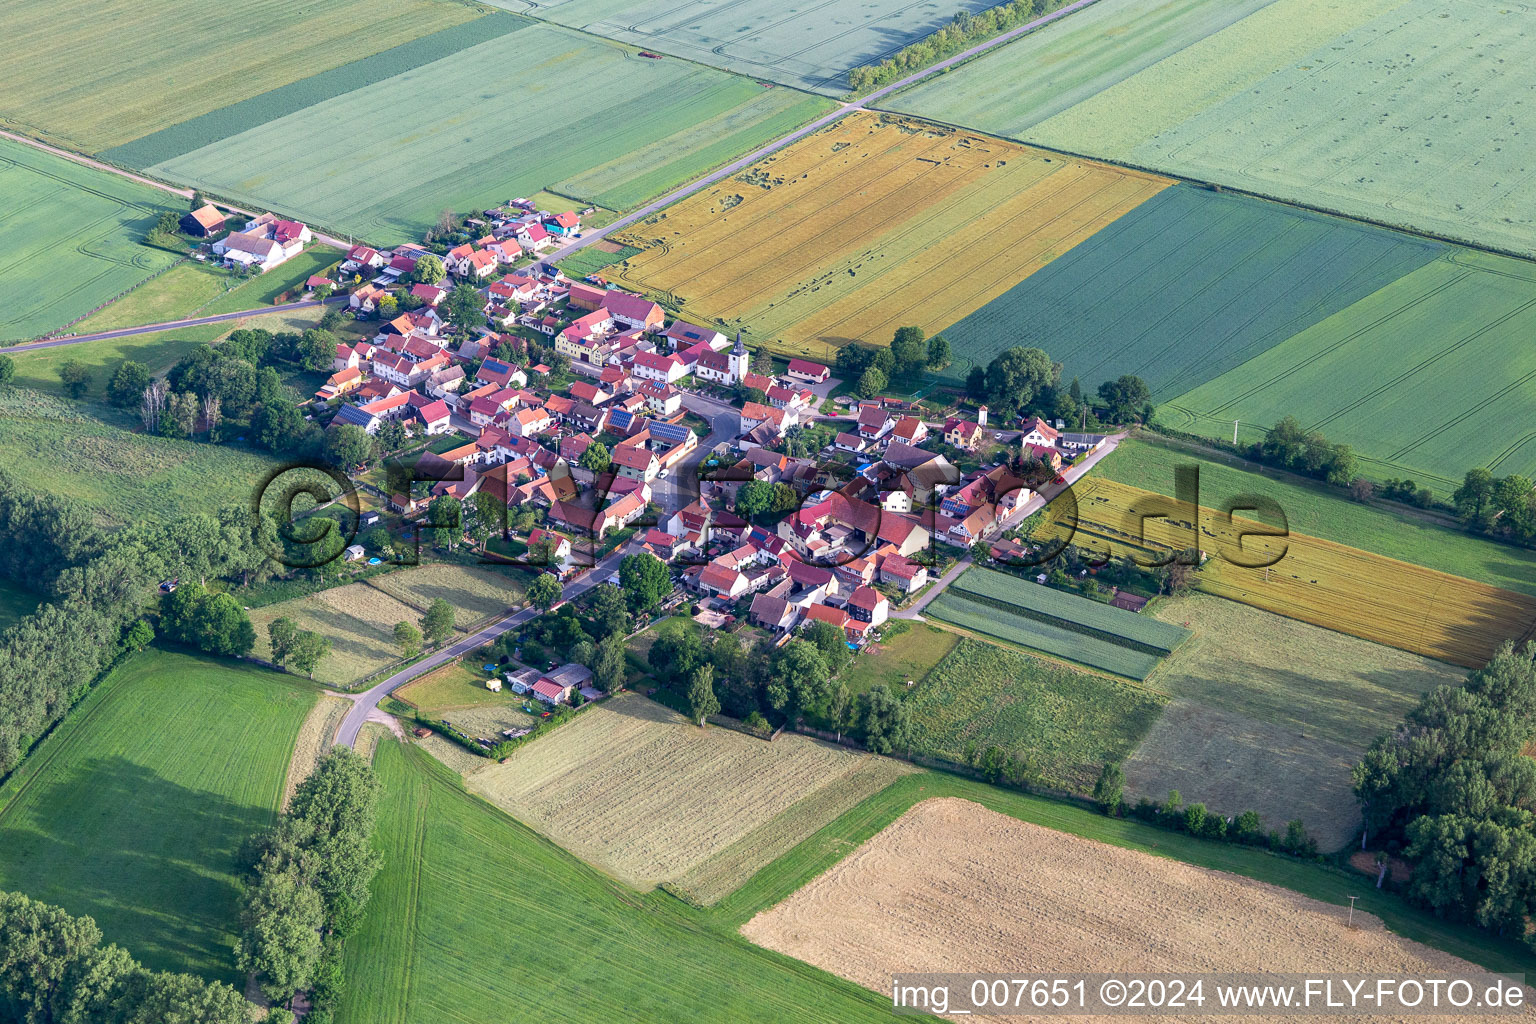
[775, 498]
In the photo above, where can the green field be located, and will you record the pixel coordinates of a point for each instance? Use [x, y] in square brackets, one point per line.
[1321, 511]
[1366, 108]
[16, 602]
[593, 259]
[1428, 377]
[133, 811]
[1116, 625]
[1270, 714]
[72, 239]
[124, 477]
[1014, 87]
[1185, 287]
[959, 610]
[124, 71]
[1065, 723]
[640, 127]
[809, 46]
[474, 914]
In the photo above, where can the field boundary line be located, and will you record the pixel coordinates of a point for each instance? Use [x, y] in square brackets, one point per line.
[41, 759]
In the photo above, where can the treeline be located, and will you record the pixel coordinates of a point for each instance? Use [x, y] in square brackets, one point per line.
[99, 585]
[307, 884]
[1308, 452]
[55, 970]
[1024, 380]
[1452, 792]
[1502, 507]
[963, 30]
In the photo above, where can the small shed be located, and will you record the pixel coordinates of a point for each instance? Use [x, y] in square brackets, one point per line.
[493, 684]
[355, 553]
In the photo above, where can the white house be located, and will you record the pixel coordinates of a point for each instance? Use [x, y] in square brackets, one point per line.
[250, 250]
[668, 369]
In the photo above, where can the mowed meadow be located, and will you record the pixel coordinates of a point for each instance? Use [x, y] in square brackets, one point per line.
[870, 224]
[494, 120]
[98, 75]
[71, 238]
[1362, 107]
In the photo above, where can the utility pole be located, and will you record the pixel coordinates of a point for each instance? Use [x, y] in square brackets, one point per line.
[1352, 911]
[1234, 431]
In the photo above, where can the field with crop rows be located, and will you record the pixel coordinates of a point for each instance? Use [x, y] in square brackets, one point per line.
[642, 793]
[1188, 286]
[359, 620]
[177, 59]
[641, 126]
[1014, 87]
[1116, 625]
[871, 224]
[474, 913]
[809, 46]
[475, 593]
[133, 811]
[1270, 714]
[1363, 107]
[1404, 606]
[1064, 723]
[71, 238]
[959, 610]
[1321, 511]
[1430, 376]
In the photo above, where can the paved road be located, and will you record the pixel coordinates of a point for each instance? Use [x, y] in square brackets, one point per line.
[862, 103]
[363, 704]
[169, 325]
[185, 193]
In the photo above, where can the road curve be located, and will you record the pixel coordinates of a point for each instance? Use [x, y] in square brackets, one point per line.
[169, 325]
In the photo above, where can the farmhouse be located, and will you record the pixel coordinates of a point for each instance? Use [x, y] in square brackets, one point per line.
[250, 250]
[203, 222]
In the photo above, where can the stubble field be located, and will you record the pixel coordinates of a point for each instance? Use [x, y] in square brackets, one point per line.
[359, 621]
[1081, 906]
[642, 793]
[870, 224]
[1379, 599]
[475, 593]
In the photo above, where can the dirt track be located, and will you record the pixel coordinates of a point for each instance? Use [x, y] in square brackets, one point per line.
[954, 887]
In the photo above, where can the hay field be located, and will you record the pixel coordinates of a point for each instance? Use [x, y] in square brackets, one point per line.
[808, 46]
[1189, 285]
[476, 594]
[1081, 906]
[71, 238]
[135, 68]
[359, 620]
[1428, 377]
[1270, 714]
[643, 794]
[640, 127]
[316, 737]
[1341, 588]
[870, 224]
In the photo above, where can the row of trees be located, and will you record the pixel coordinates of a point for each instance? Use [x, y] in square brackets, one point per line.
[307, 884]
[1503, 507]
[963, 30]
[1453, 792]
[1289, 446]
[435, 626]
[54, 968]
[302, 649]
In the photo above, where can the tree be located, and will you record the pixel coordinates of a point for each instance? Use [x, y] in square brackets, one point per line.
[388, 307]
[595, 458]
[348, 445]
[138, 635]
[754, 498]
[309, 650]
[884, 719]
[544, 591]
[280, 935]
[1473, 500]
[408, 637]
[7, 371]
[464, 308]
[675, 654]
[609, 612]
[125, 388]
[445, 516]
[280, 427]
[429, 270]
[1284, 444]
[437, 623]
[316, 349]
[798, 679]
[209, 622]
[608, 669]
[1107, 792]
[391, 436]
[284, 636]
[75, 376]
[490, 517]
[909, 349]
[938, 352]
[1361, 489]
[1124, 396]
[645, 581]
[871, 382]
[702, 701]
[1014, 378]
[831, 641]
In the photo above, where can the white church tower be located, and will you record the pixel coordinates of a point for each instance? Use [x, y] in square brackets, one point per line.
[739, 361]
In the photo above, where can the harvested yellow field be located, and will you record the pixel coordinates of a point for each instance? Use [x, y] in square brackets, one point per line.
[315, 738]
[359, 620]
[644, 794]
[951, 886]
[476, 594]
[1341, 588]
[873, 223]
